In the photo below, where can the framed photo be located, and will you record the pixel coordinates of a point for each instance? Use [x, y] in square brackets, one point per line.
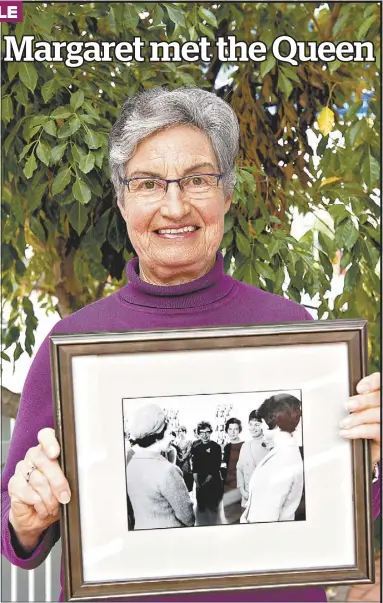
[178, 443]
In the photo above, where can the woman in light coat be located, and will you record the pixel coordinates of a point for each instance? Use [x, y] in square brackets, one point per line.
[276, 485]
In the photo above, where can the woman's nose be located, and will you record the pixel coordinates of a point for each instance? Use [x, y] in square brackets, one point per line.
[173, 204]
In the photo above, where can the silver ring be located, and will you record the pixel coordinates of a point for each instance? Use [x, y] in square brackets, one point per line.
[29, 473]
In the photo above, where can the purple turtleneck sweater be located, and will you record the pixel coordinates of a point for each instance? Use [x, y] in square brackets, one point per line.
[213, 300]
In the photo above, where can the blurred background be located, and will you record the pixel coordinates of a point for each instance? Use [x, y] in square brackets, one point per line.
[305, 221]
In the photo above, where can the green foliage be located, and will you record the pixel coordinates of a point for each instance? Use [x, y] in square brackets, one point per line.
[57, 196]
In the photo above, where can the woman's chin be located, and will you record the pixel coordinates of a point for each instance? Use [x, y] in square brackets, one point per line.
[188, 263]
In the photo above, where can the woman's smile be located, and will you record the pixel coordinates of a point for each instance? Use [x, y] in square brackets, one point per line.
[180, 232]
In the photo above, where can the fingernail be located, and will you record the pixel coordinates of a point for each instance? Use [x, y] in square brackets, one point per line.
[350, 405]
[345, 422]
[64, 498]
[363, 388]
[52, 451]
[345, 433]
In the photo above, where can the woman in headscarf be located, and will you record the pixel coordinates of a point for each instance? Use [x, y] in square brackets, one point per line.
[156, 488]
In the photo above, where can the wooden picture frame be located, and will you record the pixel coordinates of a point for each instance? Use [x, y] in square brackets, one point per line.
[323, 359]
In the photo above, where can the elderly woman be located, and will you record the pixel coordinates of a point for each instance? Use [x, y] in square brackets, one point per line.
[276, 485]
[156, 488]
[172, 162]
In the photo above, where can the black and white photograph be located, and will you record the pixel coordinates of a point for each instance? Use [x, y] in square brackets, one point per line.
[214, 459]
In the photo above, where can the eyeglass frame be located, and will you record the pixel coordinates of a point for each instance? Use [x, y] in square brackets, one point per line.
[126, 181]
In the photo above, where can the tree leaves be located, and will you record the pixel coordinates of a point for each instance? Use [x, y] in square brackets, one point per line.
[81, 191]
[243, 243]
[28, 75]
[208, 16]
[43, 152]
[176, 15]
[76, 100]
[37, 228]
[86, 163]
[326, 121]
[370, 170]
[62, 180]
[69, 127]
[78, 217]
[116, 235]
[92, 139]
[57, 152]
[61, 113]
[206, 31]
[50, 127]
[6, 109]
[365, 26]
[284, 84]
[330, 180]
[30, 166]
[131, 15]
[268, 64]
[48, 90]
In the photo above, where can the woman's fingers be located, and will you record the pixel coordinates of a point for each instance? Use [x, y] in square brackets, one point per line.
[20, 491]
[40, 484]
[364, 420]
[362, 401]
[42, 511]
[369, 431]
[370, 415]
[369, 384]
[47, 475]
[49, 443]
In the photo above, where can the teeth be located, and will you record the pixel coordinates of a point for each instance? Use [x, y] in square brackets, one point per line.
[177, 230]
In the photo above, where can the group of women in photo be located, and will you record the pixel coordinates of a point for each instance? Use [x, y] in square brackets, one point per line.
[175, 481]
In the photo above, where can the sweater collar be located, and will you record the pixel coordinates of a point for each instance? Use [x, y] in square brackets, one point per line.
[203, 291]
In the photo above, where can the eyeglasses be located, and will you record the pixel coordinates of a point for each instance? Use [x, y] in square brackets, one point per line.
[196, 186]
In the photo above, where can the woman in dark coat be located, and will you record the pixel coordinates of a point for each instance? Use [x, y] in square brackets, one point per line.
[206, 459]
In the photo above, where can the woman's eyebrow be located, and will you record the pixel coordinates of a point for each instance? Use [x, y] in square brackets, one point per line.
[189, 170]
[144, 174]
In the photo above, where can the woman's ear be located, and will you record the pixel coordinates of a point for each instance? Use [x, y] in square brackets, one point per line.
[121, 207]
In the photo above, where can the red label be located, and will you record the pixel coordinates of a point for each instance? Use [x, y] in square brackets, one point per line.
[11, 12]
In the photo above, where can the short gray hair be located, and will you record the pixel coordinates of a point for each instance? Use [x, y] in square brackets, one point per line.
[153, 110]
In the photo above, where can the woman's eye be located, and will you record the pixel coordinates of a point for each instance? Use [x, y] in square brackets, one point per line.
[197, 181]
[149, 185]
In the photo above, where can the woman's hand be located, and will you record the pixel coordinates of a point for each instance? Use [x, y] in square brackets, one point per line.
[36, 489]
[364, 419]
[245, 494]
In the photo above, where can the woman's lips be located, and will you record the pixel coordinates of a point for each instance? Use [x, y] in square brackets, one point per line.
[177, 233]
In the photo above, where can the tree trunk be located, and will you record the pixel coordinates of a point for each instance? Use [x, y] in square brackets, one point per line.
[10, 403]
